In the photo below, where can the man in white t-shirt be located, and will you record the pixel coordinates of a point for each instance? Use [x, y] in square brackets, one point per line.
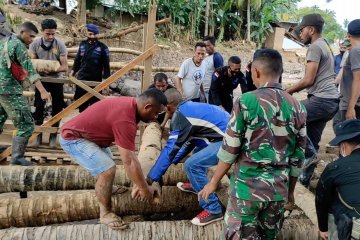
[190, 77]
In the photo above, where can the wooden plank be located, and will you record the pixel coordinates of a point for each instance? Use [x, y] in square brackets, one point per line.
[32, 94]
[87, 88]
[120, 65]
[39, 129]
[149, 41]
[66, 80]
[87, 96]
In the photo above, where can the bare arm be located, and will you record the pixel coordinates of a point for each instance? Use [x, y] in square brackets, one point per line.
[355, 94]
[43, 93]
[202, 90]
[133, 168]
[221, 169]
[63, 64]
[179, 85]
[308, 80]
[339, 76]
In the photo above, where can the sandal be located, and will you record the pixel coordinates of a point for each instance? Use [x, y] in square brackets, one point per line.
[115, 223]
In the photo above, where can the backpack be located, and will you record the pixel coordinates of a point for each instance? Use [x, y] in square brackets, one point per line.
[5, 28]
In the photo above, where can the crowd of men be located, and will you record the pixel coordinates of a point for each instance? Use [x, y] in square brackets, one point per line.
[271, 138]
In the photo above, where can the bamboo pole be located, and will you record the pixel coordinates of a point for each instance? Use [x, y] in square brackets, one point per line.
[295, 229]
[68, 177]
[120, 65]
[111, 50]
[45, 210]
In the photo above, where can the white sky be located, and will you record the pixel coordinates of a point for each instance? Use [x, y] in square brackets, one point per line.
[344, 9]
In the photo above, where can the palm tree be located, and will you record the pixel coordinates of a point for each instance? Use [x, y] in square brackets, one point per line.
[255, 4]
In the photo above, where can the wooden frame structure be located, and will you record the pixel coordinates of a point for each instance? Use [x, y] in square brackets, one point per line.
[150, 50]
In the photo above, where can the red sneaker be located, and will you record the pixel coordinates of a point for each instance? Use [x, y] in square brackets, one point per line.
[186, 187]
[204, 218]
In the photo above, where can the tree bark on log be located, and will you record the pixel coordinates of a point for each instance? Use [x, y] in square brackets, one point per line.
[42, 65]
[150, 147]
[293, 229]
[111, 49]
[81, 13]
[119, 65]
[55, 178]
[70, 207]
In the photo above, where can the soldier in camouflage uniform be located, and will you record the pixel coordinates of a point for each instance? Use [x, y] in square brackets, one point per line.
[12, 103]
[265, 138]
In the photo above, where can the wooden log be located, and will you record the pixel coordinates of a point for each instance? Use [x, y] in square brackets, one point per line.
[305, 200]
[8, 126]
[42, 65]
[84, 205]
[111, 50]
[120, 65]
[294, 229]
[150, 147]
[55, 178]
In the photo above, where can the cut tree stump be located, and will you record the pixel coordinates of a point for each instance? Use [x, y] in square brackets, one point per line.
[56, 178]
[84, 205]
[293, 229]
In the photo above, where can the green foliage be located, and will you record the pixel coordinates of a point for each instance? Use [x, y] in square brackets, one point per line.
[332, 30]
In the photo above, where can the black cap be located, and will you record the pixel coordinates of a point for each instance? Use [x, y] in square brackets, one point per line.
[346, 130]
[354, 28]
[314, 19]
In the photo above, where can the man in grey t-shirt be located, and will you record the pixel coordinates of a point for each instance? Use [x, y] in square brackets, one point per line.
[190, 77]
[49, 48]
[350, 84]
[319, 80]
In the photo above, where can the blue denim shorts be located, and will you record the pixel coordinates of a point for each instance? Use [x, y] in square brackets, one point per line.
[88, 155]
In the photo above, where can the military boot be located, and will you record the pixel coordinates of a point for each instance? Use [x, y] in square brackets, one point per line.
[18, 151]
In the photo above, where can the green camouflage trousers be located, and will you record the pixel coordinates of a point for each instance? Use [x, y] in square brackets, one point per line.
[17, 108]
[252, 220]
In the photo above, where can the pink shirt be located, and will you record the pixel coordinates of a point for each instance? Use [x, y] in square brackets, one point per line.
[109, 120]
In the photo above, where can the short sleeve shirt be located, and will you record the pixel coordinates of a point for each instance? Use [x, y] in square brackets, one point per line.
[352, 63]
[192, 78]
[58, 50]
[109, 120]
[324, 84]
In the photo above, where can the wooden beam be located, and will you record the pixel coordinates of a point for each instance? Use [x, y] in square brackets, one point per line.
[32, 94]
[87, 88]
[66, 80]
[120, 65]
[40, 129]
[87, 96]
[111, 50]
[149, 41]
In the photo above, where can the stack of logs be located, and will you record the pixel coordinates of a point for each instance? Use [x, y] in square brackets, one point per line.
[69, 206]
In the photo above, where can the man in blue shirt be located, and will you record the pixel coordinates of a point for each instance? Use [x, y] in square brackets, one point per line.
[199, 127]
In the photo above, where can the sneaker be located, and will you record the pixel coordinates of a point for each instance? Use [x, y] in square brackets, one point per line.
[186, 187]
[204, 218]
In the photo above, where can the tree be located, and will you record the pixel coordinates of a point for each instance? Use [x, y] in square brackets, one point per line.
[332, 30]
[256, 4]
[81, 13]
